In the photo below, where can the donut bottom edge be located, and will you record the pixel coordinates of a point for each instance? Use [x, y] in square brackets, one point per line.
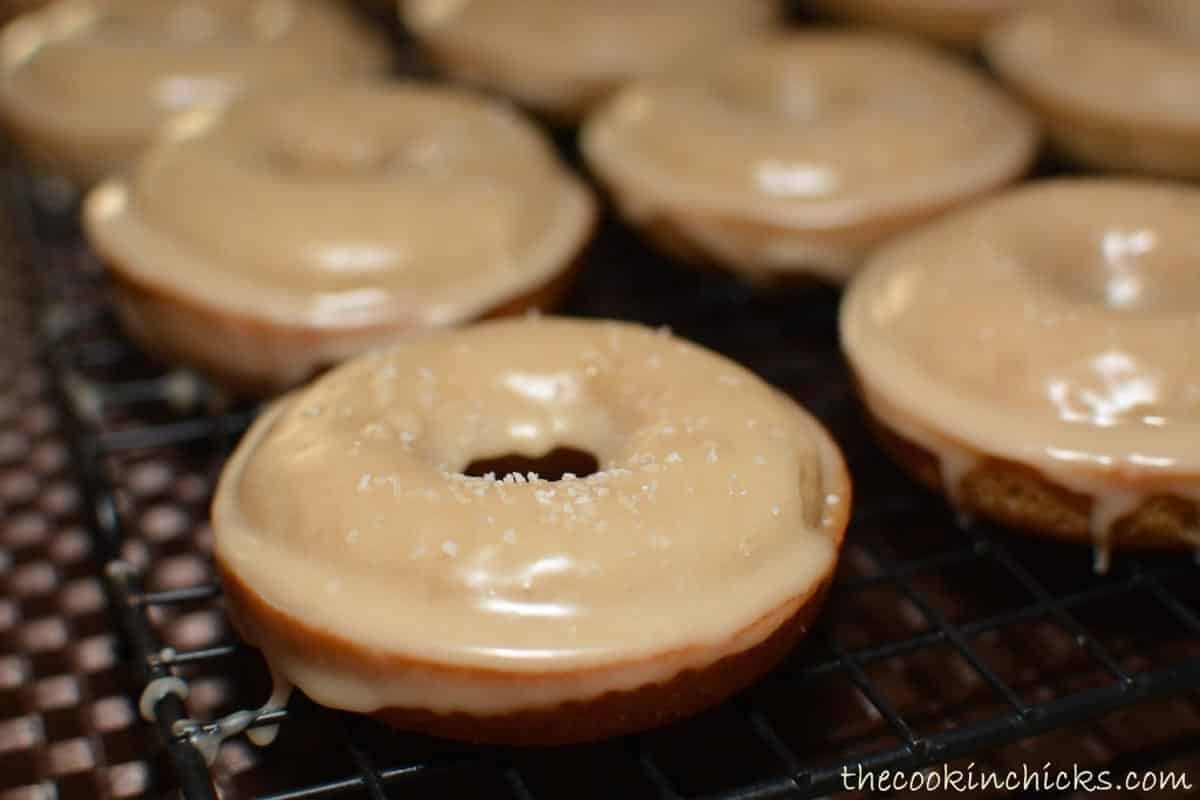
[958, 25]
[1021, 497]
[257, 358]
[561, 99]
[70, 156]
[761, 253]
[1091, 138]
[612, 714]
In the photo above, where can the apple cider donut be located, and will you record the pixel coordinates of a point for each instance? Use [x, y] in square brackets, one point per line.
[1115, 81]
[800, 153]
[377, 571]
[1042, 374]
[562, 56]
[294, 230]
[84, 84]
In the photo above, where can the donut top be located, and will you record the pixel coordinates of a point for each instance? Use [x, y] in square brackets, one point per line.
[717, 499]
[811, 130]
[597, 43]
[1137, 58]
[1052, 326]
[354, 205]
[108, 72]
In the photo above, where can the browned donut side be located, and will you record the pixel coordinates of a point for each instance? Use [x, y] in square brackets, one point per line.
[174, 328]
[1020, 496]
[608, 715]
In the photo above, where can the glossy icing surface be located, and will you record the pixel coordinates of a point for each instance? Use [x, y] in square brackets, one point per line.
[531, 46]
[1048, 326]
[102, 75]
[355, 205]
[813, 131]
[1126, 58]
[717, 503]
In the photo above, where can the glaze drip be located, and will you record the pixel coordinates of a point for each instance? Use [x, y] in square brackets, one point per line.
[208, 737]
[156, 690]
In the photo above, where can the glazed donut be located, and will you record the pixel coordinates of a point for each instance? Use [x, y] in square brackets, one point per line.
[1115, 81]
[379, 577]
[84, 84]
[800, 153]
[1040, 374]
[956, 22]
[361, 213]
[562, 56]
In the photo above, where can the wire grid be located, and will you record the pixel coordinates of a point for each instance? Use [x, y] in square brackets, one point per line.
[896, 607]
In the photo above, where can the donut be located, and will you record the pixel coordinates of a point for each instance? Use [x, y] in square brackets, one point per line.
[1114, 81]
[1039, 374]
[260, 244]
[800, 153]
[84, 84]
[370, 548]
[960, 23]
[562, 56]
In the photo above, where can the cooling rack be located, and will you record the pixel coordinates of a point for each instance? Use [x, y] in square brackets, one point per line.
[941, 641]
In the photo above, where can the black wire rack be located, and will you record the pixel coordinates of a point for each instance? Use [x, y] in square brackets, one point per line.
[941, 641]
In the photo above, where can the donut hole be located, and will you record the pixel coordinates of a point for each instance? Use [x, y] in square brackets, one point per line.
[309, 152]
[803, 84]
[296, 148]
[1126, 270]
[793, 95]
[550, 466]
